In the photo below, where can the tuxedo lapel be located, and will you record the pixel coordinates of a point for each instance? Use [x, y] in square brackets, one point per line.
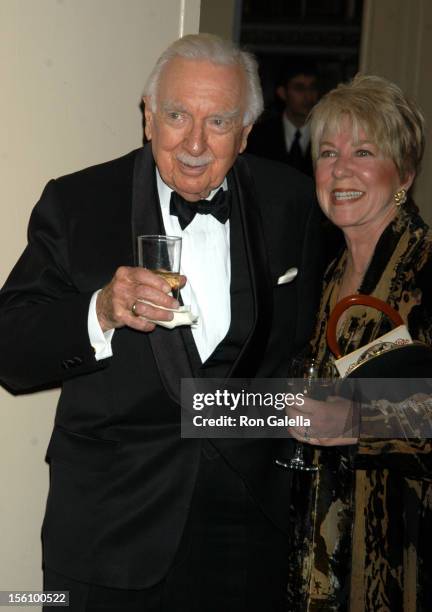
[249, 358]
[146, 213]
[168, 347]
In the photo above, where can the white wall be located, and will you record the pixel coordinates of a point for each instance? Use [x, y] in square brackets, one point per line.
[72, 72]
[218, 17]
[397, 44]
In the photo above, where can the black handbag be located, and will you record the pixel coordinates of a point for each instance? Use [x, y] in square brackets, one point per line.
[394, 355]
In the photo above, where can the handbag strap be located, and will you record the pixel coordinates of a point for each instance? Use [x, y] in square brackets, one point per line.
[354, 300]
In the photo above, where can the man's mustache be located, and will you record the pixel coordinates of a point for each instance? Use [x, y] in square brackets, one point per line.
[193, 161]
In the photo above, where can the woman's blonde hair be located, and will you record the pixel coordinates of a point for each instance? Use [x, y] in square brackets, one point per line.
[379, 107]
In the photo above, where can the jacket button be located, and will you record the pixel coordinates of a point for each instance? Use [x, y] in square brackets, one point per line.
[71, 363]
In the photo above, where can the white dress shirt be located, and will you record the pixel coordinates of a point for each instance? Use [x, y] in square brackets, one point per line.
[206, 263]
[290, 130]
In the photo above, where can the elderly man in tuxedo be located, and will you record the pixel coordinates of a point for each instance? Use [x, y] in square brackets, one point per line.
[138, 518]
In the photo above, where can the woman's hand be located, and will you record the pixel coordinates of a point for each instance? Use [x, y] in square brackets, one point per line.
[331, 422]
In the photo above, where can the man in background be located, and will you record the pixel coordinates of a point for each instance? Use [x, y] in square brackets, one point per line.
[285, 137]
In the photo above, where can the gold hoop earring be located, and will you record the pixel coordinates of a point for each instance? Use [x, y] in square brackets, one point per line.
[400, 197]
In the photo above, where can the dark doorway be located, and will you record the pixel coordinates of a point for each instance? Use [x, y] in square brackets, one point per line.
[327, 32]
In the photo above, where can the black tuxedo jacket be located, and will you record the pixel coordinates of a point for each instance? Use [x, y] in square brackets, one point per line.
[121, 476]
[267, 139]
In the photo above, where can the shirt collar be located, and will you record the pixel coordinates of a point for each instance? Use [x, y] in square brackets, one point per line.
[290, 130]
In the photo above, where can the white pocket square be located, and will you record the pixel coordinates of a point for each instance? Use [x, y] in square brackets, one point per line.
[289, 276]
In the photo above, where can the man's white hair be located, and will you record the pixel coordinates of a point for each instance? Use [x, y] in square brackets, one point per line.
[218, 51]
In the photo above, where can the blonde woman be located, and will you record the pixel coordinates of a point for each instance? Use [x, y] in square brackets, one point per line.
[363, 522]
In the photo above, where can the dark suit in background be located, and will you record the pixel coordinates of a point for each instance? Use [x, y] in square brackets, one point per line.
[296, 93]
[267, 139]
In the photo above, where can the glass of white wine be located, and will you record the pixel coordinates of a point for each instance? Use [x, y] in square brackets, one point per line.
[316, 380]
[161, 255]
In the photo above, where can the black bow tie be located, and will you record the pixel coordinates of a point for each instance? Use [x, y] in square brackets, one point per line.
[219, 207]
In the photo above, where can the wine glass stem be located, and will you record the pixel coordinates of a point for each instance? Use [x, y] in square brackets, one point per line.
[299, 451]
[298, 455]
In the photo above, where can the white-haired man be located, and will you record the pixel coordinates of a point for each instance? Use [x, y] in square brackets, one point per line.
[138, 518]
